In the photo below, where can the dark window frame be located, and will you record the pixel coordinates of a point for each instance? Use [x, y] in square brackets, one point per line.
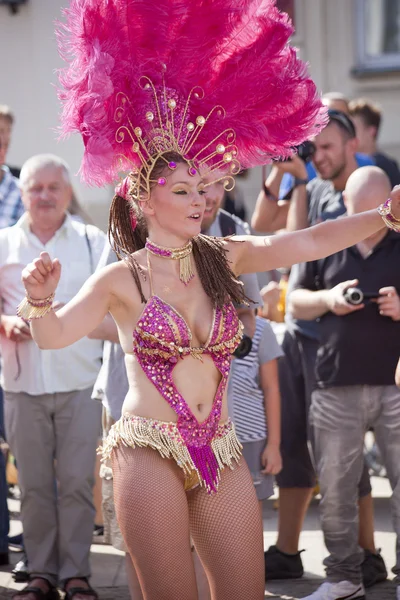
[366, 62]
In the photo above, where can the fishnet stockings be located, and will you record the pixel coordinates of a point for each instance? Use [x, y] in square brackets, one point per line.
[227, 532]
[156, 517]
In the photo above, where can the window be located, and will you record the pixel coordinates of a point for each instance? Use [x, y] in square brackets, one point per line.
[378, 35]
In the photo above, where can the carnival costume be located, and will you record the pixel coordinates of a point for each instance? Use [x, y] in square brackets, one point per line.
[214, 83]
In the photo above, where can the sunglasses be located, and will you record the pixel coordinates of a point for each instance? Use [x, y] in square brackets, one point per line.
[342, 120]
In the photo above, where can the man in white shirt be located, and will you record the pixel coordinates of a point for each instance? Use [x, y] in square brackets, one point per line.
[51, 422]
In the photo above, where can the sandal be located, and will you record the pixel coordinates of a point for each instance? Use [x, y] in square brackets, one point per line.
[51, 594]
[74, 591]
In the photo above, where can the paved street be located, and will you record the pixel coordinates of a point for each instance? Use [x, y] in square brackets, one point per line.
[108, 564]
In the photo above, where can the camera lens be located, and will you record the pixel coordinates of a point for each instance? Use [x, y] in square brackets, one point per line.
[354, 296]
[244, 347]
[306, 150]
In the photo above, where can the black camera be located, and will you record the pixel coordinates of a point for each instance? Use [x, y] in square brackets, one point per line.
[355, 296]
[244, 347]
[306, 151]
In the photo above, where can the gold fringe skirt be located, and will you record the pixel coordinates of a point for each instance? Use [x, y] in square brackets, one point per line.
[133, 431]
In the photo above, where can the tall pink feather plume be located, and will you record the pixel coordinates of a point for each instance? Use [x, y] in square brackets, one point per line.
[236, 50]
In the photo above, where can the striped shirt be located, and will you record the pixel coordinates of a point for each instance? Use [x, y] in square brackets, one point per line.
[248, 397]
[11, 207]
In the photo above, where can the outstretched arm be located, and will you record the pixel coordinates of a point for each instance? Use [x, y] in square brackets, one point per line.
[79, 317]
[265, 253]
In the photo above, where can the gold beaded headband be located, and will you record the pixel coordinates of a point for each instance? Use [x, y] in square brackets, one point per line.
[168, 129]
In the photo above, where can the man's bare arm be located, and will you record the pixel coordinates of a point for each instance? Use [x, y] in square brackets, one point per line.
[270, 214]
[298, 210]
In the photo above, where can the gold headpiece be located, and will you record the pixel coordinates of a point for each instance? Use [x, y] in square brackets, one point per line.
[169, 129]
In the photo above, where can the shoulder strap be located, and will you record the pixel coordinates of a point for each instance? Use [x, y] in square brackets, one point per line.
[227, 224]
[135, 270]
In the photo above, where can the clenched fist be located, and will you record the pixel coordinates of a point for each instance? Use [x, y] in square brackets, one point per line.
[41, 276]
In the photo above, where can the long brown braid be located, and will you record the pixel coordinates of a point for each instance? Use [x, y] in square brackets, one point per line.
[210, 254]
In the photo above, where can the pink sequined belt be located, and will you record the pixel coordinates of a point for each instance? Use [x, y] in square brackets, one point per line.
[133, 431]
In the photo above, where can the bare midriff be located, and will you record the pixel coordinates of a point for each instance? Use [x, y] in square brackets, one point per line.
[197, 381]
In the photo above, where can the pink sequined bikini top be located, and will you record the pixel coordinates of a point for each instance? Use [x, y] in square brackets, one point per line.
[162, 338]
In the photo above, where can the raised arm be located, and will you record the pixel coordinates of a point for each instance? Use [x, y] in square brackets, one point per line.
[298, 209]
[270, 213]
[79, 317]
[270, 252]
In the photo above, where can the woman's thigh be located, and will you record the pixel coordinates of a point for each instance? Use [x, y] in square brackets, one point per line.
[153, 515]
[227, 531]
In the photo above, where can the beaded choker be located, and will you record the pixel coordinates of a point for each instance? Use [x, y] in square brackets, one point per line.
[182, 254]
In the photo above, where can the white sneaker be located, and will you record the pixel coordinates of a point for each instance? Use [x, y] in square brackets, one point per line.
[340, 591]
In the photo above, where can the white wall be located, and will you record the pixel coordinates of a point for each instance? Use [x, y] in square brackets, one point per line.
[29, 58]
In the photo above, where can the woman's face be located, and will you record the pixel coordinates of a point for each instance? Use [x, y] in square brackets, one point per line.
[177, 207]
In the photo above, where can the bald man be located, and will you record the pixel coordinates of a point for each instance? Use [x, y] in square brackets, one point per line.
[355, 390]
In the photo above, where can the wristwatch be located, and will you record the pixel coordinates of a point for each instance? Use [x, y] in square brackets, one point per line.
[268, 193]
[298, 181]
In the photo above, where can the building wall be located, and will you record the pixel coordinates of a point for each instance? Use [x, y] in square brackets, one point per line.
[325, 36]
[29, 60]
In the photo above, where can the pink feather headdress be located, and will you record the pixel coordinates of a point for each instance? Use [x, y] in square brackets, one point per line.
[213, 80]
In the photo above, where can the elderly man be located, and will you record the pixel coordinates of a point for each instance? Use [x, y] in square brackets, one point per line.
[51, 422]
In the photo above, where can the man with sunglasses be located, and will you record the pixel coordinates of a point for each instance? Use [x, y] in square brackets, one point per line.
[334, 158]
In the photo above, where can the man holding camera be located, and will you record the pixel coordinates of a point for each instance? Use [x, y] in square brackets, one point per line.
[334, 157]
[355, 365]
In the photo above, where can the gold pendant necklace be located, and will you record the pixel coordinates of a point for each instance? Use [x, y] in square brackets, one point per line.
[182, 254]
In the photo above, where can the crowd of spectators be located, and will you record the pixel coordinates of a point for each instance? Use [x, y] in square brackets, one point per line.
[302, 407]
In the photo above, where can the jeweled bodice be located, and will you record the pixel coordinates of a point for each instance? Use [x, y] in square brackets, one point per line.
[162, 338]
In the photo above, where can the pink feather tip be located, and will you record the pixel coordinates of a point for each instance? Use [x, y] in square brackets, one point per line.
[133, 221]
[123, 188]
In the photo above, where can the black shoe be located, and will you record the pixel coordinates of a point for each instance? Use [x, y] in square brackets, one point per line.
[98, 530]
[373, 568]
[16, 543]
[20, 571]
[4, 559]
[279, 565]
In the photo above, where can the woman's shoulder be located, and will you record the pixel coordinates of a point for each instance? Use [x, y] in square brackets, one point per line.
[123, 275]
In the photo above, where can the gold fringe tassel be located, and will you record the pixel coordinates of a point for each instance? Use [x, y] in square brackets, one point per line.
[186, 272]
[132, 431]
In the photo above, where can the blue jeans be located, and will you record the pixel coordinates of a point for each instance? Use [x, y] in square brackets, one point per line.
[4, 516]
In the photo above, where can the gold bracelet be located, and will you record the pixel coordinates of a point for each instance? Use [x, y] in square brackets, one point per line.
[32, 308]
[385, 211]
